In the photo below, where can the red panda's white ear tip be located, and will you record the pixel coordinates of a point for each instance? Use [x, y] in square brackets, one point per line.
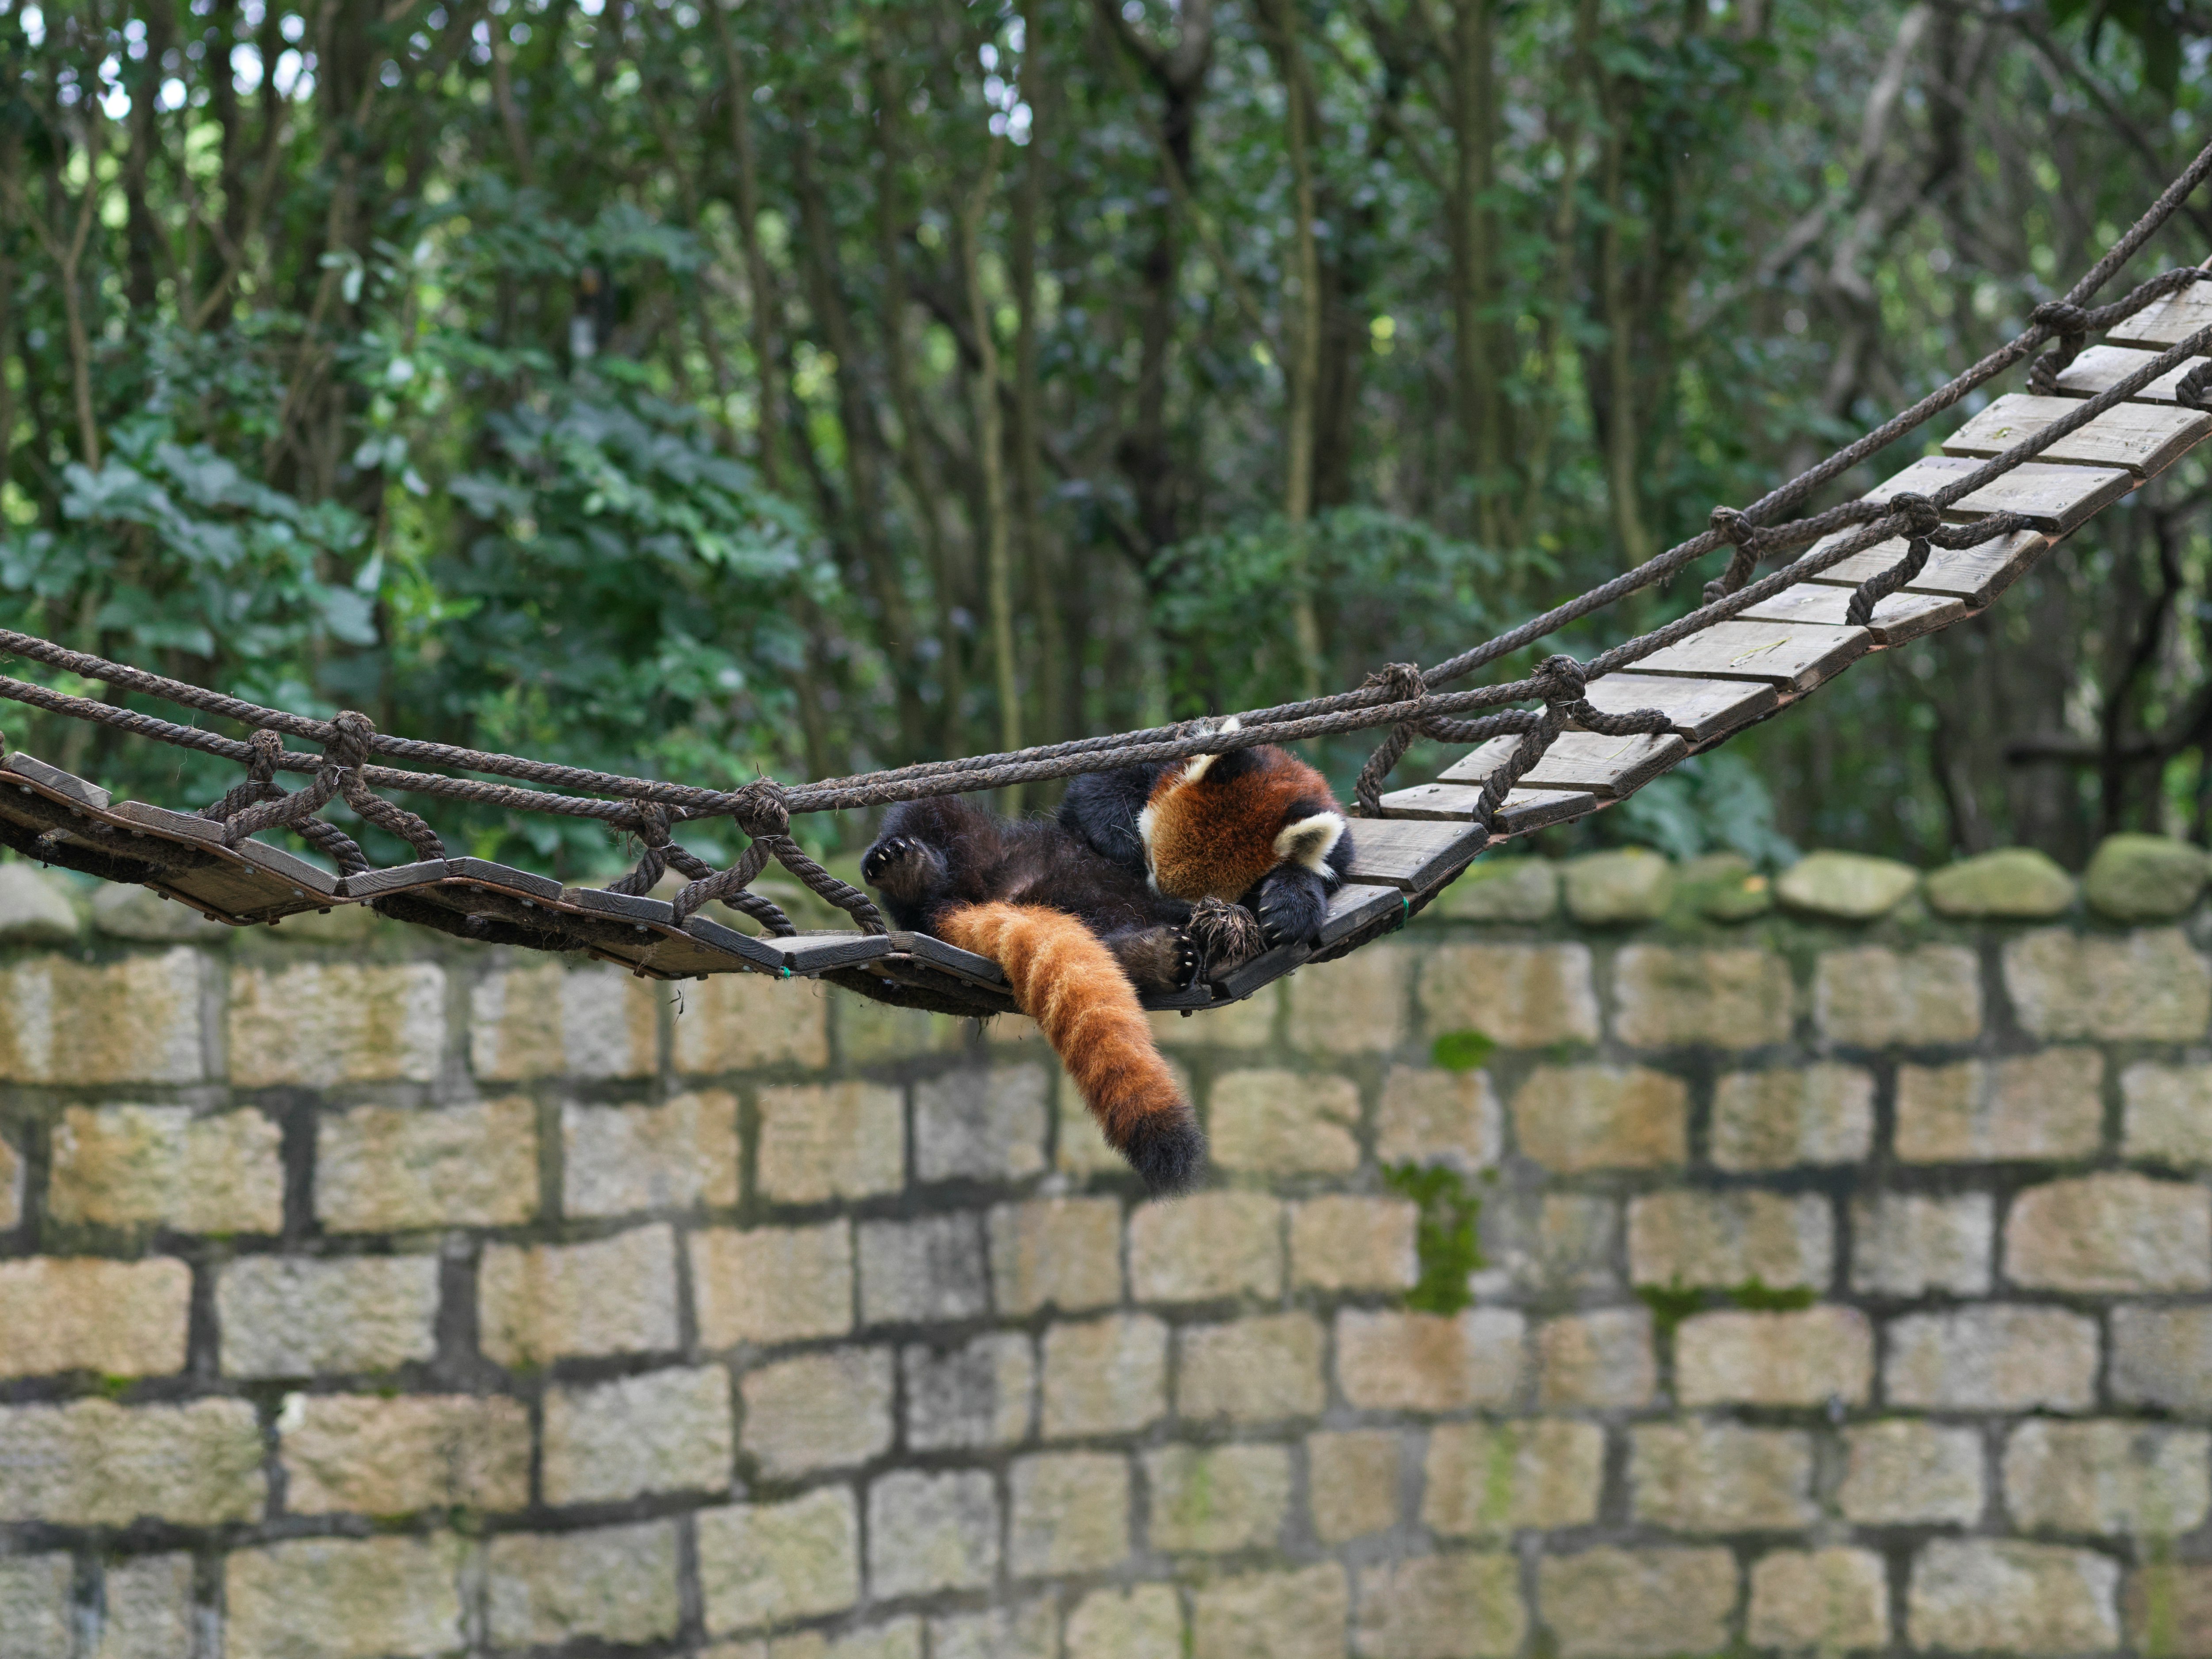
[1232, 724]
[1310, 841]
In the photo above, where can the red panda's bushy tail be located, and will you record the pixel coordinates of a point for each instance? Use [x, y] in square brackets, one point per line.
[1064, 978]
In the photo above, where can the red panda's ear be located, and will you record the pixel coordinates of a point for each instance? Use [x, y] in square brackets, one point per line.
[1310, 841]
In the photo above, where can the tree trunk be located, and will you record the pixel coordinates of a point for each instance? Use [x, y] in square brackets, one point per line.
[1472, 228]
[1301, 341]
[763, 302]
[1053, 678]
[990, 454]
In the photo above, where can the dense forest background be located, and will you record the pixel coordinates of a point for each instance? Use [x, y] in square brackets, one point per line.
[712, 389]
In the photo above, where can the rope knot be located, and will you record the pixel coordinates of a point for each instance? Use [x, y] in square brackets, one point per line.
[1730, 526]
[347, 748]
[2061, 318]
[267, 749]
[760, 810]
[1922, 516]
[1560, 679]
[1403, 680]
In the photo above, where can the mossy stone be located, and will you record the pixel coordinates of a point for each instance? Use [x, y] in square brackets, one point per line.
[35, 907]
[1725, 887]
[2017, 882]
[2144, 877]
[1524, 889]
[1634, 884]
[1846, 887]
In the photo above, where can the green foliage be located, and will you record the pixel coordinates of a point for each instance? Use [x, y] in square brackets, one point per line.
[1674, 1301]
[1444, 1238]
[1670, 1303]
[1462, 1051]
[1759, 1296]
[1710, 803]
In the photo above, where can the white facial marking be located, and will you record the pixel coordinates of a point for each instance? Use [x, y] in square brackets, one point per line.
[1310, 841]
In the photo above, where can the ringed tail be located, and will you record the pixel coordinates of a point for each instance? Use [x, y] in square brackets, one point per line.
[1063, 977]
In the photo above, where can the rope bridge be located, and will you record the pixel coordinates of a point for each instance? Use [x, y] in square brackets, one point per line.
[1936, 542]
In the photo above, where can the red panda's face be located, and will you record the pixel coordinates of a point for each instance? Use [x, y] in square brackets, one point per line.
[1213, 831]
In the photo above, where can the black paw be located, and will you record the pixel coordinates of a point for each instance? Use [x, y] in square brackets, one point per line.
[1226, 934]
[1289, 915]
[897, 864]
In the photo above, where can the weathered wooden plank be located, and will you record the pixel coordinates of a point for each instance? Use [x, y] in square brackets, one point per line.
[1522, 810]
[817, 953]
[506, 878]
[65, 785]
[640, 908]
[1409, 854]
[2101, 368]
[231, 883]
[1263, 969]
[1605, 766]
[1353, 907]
[950, 959]
[2144, 438]
[1795, 656]
[1976, 575]
[1700, 710]
[755, 953]
[395, 878]
[2164, 323]
[2052, 499]
[1897, 618]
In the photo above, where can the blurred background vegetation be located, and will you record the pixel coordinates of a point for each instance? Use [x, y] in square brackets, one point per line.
[714, 389]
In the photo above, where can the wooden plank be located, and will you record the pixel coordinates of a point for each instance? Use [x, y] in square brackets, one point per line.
[1794, 656]
[55, 782]
[949, 958]
[1897, 618]
[1352, 908]
[636, 908]
[136, 817]
[395, 878]
[2101, 368]
[2165, 323]
[1523, 810]
[753, 952]
[1700, 710]
[1606, 767]
[2144, 438]
[308, 878]
[817, 953]
[2052, 499]
[1409, 853]
[506, 878]
[1976, 575]
[1261, 971]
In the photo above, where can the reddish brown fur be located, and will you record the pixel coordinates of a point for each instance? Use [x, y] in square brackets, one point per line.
[1066, 981]
[1217, 839]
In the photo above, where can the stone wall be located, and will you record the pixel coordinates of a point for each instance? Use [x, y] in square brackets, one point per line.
[1628, 1282]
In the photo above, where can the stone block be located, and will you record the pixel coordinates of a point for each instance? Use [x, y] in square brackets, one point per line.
[1104, 1376]
[1246, 1024]
[927, 1269]
[1996, 1357]
[1338, 1242]
[1789, 1115]
[1571, 1119]
[1251, 1370]
[1623, 887]
[2144, 877]
[1070, 1513]
[1439, 1117]
[333, 1598]
[86, 1313]
[2040, 1106]
[167, 1166]
[35, 907]
[677, 1155]
[1352, 1482]
[133, 1021]
[980, 1393]
[872, 1033]
[147, 1603]
[303, 1316]
[1831, 1601]
[1701, 1238]
[2167, 1608]
[545, 1020]
[1903, 1472]
[1910, 1244]
[900, 1639]
[1603, 1359]
[931, 1531]
[1145, 1622]
[142, 914]
[1721, 1477]
[2013, 884]
[2118, 1478]
[1276, 1122]
[36, 1609]
[1970, 1595]
[317, 1024]
[91, 1463]
[342, 924]
[828, 1141]
[2148, 984]
[1723, 887]
[1506, 889]
[2111, 1232]
[1062, 1253]
[1284, 1615]
[2167, 1112]
[1520, 996]
[762, 1564]
[1441, 1606]
[1552, 1241]
[2163, 1357]
[1876, 998]
[1665, 997]
[1846, 887]
[1206, 1246]
[366, 1455]
[1025, 1630]
[738, 1022]
[665, 1430]
[537, 1303]
[1354, 1005]
[1636, 1604]
[11, 1187]
[1213, 1499]
[618, 1583]
[1807, 1358]
[986, 1124]
[1389, 1361]
[1078, 1147]
[769, 1284]
[385, 1169]
[1487, 1479]
[819, 1411]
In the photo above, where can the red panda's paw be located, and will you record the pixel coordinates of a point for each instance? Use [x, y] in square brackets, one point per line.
[902, 867]
[1293, 905]
[1169, 1151]
[1158, 958]
[1227, 934]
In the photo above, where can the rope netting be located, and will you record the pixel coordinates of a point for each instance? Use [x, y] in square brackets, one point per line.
[1401, 699]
